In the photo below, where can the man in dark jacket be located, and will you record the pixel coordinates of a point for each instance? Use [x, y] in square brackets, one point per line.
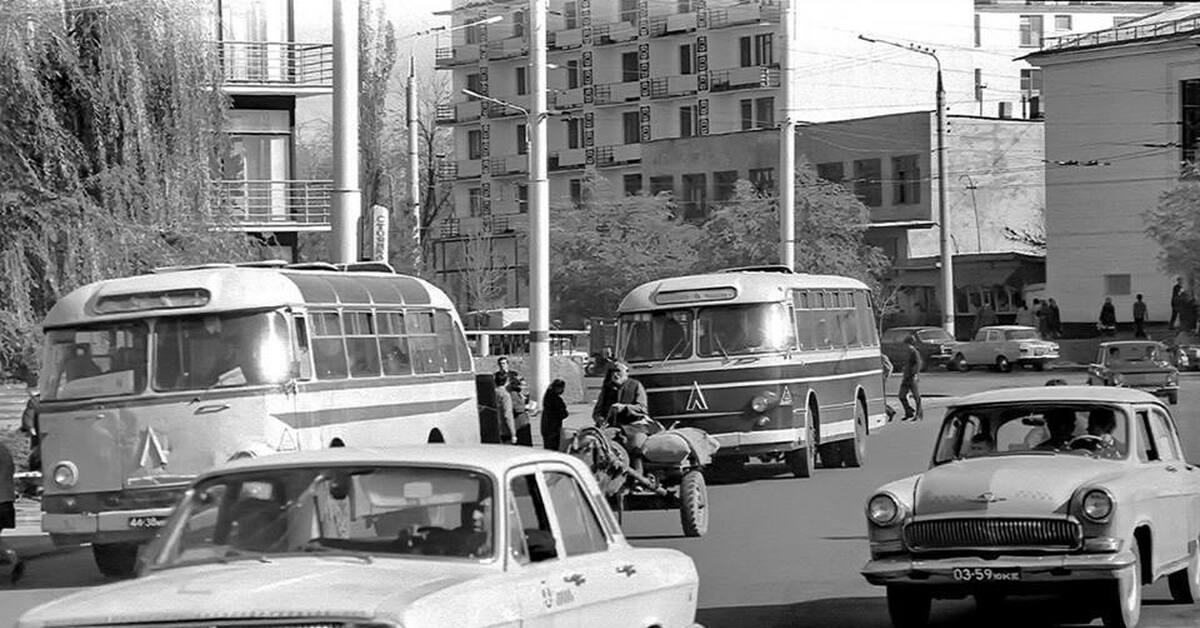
[909, 381]
[554, 411]
[623, 404]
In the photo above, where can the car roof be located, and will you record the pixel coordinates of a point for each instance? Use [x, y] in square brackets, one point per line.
[1041, 394]
[1129, 343]
[912, 328]
[1007, 327]
[492, 458]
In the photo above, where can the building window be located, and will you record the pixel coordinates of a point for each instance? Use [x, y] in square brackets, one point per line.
[977, 31]
[763, 180]
[1031, 92]
[689, 121]
[576, 186]
[518, 18]
[574, 133]
[475, 84]
[522, 198]
[832, 171]
[747, 107]
[868, 185]
[1189, 119]
[687, 59]
[571, 15]
[573, 74]
[475, 202]
[979, 85]
[474, 144]
[745, 52]
[764, 111]
[695, 195]
[724, 185]
[1031, 31]
[629, 11]
[1117, 284]
[472, 33]
[764, 53]
[665, 183]
[633, 184]
[1062, 22]
[629, 67]
[522, 85]
[630, 126]
[683, 6]
[906, 176]
[522, 140]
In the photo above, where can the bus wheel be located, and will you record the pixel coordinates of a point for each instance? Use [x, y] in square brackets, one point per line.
[118, 560]
[854, 452]
[831, 455]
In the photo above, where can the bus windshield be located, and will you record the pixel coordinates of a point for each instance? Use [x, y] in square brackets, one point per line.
[741, 329]
[95, 361]
[649, 336]
[220, 350]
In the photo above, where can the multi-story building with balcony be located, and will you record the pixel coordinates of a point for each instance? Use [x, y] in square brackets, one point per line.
[267, 69]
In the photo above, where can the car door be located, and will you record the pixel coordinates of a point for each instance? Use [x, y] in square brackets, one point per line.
[1176, 486]
[541, 578]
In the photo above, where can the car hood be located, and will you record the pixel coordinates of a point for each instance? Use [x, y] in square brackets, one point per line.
[295, 587]
[1003, 485]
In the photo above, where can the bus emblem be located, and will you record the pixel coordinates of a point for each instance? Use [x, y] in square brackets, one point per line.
[785, 399]
[696, 400]
[153, 455]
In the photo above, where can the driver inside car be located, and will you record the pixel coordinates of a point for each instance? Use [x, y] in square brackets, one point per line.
[1102, 422]
[1061, 423]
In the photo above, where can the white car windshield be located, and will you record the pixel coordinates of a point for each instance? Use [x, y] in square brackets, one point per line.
[440, 513]
[1094, 430]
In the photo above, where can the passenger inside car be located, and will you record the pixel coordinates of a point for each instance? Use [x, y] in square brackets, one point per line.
[982, 444]
[1061, 423]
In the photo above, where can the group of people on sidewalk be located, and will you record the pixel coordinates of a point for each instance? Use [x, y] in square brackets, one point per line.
[515, 410]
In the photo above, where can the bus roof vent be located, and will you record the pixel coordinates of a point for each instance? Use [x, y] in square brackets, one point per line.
[161, 270]
[367, 267]
[312, 266]
[758, 269]
[266, 263]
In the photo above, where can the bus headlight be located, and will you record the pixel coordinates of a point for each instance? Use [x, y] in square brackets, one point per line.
[883, 510]
[65, 475]
[764, 401]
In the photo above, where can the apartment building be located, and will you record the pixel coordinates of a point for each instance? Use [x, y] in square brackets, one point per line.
[268, 70]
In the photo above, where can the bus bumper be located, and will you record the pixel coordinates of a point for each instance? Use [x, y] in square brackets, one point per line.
[118, 526]
[759, 442]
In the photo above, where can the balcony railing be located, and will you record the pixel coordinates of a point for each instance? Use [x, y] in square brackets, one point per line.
[276, 203]
[610, 93]
[671, 86]
[615, 33]
[618, 154]
[565, 39]
[508, 164]
[446, 170]
[278, 64]
[569, 158]
[671, 24]
[505, 48]
[1121, 34]
[743, 14]
[468, 168]
[744, 78]
[449, 227]
[449, 56]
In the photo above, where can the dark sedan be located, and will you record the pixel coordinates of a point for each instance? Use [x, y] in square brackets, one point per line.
[933, 343]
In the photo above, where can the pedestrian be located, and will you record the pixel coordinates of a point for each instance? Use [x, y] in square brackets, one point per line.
[554, 411]
[909, 381]
[1187, 316]
[502, 367]
[623, 403]
[984, 317]
[1176, 302]
[504, 408]
[1055, 318]
[29, 426]
[8, 513]
[1139, 318]
[1024, 316]
[1040, 313]
[1108, 318]
[519, 393]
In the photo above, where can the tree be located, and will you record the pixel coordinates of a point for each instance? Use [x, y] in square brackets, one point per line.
[1175, 225]
[608, 244]
[483, 276]
[113, 119]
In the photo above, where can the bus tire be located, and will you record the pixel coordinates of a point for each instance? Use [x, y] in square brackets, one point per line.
[801, 461]
[854, 451]
[830, 454]
[116, 560]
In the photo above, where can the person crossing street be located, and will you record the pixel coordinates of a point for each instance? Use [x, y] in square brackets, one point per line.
[909, 381]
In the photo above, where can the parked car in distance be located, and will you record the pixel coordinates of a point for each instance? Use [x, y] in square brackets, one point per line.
[1061, 490]
[1187, 357]
[419, 536]
[933, 343]
[1141, 364]
[1002, 346]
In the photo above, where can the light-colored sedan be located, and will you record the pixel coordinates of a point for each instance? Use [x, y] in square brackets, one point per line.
[1002, 346]
[1064, 489]
[422, 536]
[1141, 364]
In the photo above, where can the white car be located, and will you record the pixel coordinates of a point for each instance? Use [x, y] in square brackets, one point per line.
[419, 536]
[1002, 346]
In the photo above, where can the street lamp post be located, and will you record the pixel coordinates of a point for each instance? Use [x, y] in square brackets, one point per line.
[943, 216]
[787, 145]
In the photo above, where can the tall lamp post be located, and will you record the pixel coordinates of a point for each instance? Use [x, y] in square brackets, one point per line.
[414, 163]
[943, 216]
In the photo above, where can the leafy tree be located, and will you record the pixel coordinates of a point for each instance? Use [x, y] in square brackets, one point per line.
[608, 244]
[113, 120]
[1175, 225]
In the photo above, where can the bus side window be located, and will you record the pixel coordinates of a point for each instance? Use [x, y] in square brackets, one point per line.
[805, 320]
[304, 369]
[329, 349]
[392, 345]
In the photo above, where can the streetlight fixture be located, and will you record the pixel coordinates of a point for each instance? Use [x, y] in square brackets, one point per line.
[943, 216]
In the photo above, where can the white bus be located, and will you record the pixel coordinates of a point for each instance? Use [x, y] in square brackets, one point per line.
[148, 380]
[771, 363]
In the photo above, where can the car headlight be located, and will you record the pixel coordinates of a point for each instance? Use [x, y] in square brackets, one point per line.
[883, 510]
[764, 401]
[1097, 505]
[65, 475]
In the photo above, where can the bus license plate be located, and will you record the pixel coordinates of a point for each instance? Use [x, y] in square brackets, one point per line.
[988, 574]
[147, 522]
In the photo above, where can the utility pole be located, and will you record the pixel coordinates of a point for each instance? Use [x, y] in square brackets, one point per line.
[539, 206]
[943, 216]
[346, 196]
[414, 166]
[787, 145]
[975, 207]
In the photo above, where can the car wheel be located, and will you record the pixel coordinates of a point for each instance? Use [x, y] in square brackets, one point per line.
[1123, 597]
[907, 607]
[693, 503]
[1003, 365]
[118, 560]
[960, 363]
[1185, 583]
[1039, 366]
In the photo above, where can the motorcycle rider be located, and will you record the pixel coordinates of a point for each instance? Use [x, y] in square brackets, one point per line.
[622, 403]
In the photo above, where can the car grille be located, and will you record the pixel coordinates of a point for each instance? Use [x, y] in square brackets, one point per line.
[992, 533]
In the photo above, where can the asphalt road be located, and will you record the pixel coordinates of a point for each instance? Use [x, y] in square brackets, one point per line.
[780, 551]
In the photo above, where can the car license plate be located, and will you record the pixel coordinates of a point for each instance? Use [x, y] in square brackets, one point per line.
[987, 574]
[147, 522]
